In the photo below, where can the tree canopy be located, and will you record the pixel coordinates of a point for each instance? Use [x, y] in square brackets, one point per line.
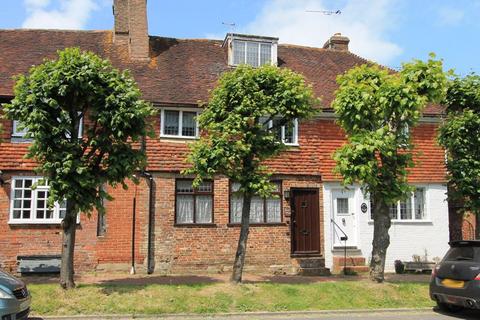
[238, 124]
[241, 126]
[80, 89]
[460, 136]
[377, 109]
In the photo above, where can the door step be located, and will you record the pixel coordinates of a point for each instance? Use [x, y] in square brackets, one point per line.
[356, 264]
[354, 269]
[310, 272]
[311, 266]
[351, 251]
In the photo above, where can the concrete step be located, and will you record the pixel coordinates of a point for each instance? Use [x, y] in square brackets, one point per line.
[349, 261]
[310, 262]
[351, 251]
[353, 269]
[309, 272]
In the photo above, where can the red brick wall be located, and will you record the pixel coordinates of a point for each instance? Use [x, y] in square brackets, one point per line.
[178, 249]
[318, 140]
[90, 250]
[181, 249]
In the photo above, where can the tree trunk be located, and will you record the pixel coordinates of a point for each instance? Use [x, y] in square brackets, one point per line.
[69, 225]
[381, 239]
[242, 240]
[455, 214]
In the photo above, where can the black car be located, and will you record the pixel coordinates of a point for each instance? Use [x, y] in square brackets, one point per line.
[455, 282]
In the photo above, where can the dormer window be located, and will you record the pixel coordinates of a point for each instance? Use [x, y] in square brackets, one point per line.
[252, 50]
[252, 53]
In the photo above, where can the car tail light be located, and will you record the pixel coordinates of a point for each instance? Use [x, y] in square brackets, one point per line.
[477, 277]
[435, 269]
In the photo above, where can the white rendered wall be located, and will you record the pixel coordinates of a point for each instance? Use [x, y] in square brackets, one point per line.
[406, 238]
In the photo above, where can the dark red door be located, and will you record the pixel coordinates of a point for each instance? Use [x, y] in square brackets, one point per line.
[305, 221]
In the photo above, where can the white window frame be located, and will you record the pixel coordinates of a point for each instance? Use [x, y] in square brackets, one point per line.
[33, 206]
[21, 134]
[259, 43]
[18, 133]
[295, 133]
[180, 123]
[412, 199]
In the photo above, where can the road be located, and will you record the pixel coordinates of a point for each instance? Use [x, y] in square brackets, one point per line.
[373, 315]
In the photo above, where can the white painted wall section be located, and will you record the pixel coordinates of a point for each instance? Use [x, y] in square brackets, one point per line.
[407, 238]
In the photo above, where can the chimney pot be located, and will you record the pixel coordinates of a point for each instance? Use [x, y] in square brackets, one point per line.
[337, 42]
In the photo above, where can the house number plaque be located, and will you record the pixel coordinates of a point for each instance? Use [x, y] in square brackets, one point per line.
[364, 207]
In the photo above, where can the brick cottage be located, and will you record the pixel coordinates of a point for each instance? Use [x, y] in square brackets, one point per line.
[178, 229]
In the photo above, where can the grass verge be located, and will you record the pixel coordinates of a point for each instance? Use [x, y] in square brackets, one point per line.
[49, 299]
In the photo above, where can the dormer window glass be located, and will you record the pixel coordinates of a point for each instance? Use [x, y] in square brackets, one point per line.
[252, 53]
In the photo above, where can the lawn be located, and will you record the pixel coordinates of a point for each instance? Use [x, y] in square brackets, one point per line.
[49, 299]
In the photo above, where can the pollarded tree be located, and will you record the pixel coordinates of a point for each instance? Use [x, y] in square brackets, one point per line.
[240, 133]
[51, 102]
[376, 109]
[460, 136]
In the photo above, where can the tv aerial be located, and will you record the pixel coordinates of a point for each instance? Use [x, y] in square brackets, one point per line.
[231, 25]
[326, 12]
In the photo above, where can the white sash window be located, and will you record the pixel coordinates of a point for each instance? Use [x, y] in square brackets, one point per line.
[30, 206]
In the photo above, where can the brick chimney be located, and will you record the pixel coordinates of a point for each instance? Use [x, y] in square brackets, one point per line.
[337, 42]
[131, 27]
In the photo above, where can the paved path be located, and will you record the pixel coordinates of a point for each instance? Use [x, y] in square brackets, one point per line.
[327, 315]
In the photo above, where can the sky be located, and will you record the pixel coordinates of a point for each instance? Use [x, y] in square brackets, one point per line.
[386, 31]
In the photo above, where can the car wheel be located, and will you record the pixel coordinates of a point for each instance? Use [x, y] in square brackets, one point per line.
[446, 307]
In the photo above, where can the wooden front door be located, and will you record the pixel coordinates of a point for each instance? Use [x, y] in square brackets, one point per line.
[305, 221]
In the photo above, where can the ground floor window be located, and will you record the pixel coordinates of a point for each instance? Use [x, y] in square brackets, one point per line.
[193, 205]
[262, 210]
[29, 205]
[413, 208]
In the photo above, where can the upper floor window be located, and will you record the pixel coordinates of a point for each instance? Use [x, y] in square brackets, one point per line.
[29, 205]
[287, 133]
[252, 50]
[179, 123]
[20, 132]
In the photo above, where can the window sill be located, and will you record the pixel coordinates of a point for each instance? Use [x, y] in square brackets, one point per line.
[407, 222]
[273, 224]
[57, 223]
[178, 137]
[20, 139]
[34, 223]
[195, 225]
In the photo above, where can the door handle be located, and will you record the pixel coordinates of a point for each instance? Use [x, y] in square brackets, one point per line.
[343, 220]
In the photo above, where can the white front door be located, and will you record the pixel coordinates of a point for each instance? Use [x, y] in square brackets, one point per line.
[344, 216]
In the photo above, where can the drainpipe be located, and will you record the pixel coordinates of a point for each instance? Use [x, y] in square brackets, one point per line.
[151, 210]
[132, 270]
[151, 216]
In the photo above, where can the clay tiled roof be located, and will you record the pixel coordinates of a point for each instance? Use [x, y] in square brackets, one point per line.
[179, 71]
[183, 72]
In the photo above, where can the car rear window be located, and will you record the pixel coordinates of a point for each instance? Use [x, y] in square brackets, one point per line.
[461, 254]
